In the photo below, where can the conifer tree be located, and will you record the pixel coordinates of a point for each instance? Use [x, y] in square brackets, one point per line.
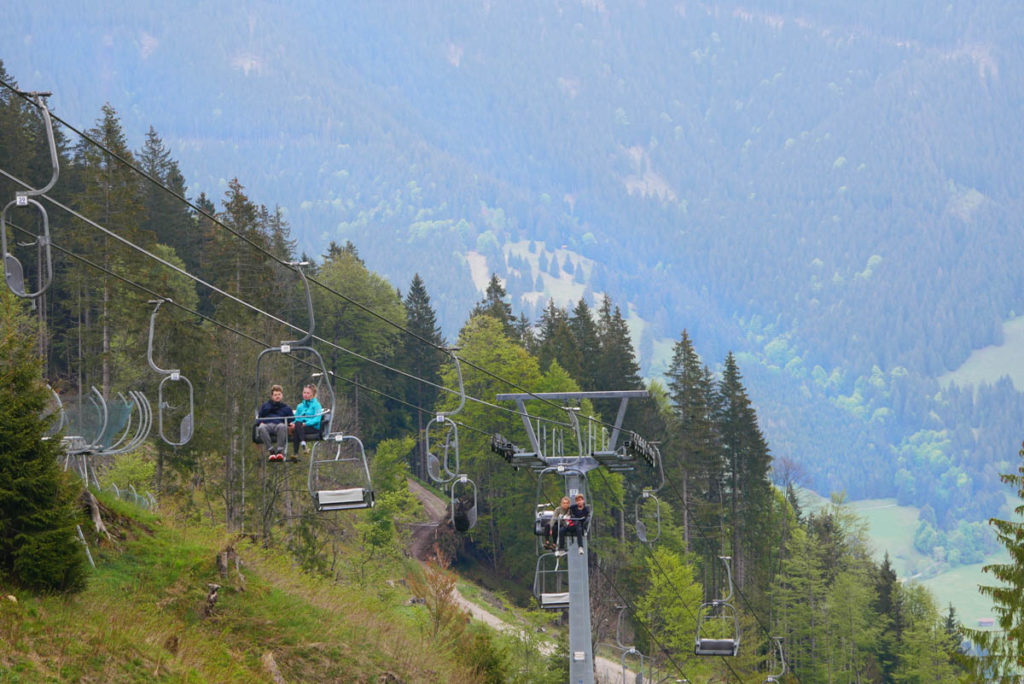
[1002, 656]
[584, 332]
[556, 340]
[167, 217]
[695, 456]
[38, 548]
[494, 304]
[747, 461]
[420, 359]
[110, 195]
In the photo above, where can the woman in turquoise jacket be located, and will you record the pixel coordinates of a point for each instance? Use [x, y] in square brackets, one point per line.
[307, 419]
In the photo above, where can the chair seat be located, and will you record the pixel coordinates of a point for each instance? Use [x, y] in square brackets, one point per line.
[340, 499]
[716, 647]
[558, 599]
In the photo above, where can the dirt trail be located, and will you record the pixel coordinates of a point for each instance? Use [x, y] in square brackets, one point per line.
[423, 535]
[422, 542]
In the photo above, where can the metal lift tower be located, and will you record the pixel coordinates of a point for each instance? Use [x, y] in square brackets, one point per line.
[596, 448]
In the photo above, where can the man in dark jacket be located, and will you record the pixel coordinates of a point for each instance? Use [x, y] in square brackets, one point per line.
[579, 518]
[273, 424]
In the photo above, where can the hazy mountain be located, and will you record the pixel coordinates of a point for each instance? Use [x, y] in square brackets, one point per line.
[832, 190]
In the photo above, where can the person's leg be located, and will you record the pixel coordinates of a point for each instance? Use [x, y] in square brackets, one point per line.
[282, 437]
[298, 437]
[263, 431]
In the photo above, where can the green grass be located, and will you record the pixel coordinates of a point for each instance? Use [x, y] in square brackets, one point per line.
[142, 618]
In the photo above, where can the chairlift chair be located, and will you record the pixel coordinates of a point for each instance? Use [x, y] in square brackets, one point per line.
[551, 582]
[720, 618]
[340, 479]
[187, 424]
[463, 505]
[649, 493]
[778, 662]
[544, 513]
[56, 407]
[303, 344]
[14, 272]
[446, 472]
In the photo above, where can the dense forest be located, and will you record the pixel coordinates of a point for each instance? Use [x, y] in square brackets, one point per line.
[830, 192]
[122, 236]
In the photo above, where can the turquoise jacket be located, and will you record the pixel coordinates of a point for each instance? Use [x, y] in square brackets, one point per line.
[309, 412]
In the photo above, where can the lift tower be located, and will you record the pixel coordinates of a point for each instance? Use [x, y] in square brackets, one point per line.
[596, 447]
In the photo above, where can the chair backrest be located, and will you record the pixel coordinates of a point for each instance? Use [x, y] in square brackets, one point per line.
[325, 423]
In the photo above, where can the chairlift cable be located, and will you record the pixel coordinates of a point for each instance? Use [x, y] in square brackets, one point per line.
[260, 248]
[256, 309]
[634, 611]
[736, 587]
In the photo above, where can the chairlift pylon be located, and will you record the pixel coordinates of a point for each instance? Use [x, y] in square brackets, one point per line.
[187, 424]
[720, 618]
[14, 272]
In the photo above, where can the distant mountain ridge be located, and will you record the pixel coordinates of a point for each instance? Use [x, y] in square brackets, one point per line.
[831, 190]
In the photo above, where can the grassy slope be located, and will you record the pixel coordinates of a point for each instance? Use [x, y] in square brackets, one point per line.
[141, 619]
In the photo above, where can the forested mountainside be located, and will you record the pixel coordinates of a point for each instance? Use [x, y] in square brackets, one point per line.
[830, 190]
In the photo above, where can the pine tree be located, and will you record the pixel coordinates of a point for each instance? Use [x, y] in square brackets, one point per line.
[167, 217]
[890, 610]
[694, 455]
[495, 306]
[747, 461]
[38, 548]
[556, 341]
[584, 332]
[420, 359]
[1003, 652]
[110, 195]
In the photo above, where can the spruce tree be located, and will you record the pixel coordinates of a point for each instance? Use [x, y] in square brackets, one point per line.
[747, 462]
[694, 456]
[420, 359]
[495, 306]
[1002, 652]
[38, 517]
[556, 341]
[584, 332]
[167, 217]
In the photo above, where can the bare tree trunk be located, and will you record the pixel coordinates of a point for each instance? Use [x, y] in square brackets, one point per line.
[686, 515]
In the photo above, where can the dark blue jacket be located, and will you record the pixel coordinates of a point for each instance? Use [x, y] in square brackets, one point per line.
[275, 412]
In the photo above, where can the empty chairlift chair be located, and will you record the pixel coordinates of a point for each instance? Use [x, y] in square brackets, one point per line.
[718, 624]
[462, 490]
[164, 408]
[778, 663]
[339, 476]
[14, 272]
[551, 582]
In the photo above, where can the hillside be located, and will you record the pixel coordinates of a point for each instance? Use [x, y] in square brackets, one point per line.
[179, 600]
[830, 191]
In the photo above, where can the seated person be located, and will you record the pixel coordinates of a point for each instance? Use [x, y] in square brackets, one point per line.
[272, 425]
[307, 419]
[555, 539]
[579, 518]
